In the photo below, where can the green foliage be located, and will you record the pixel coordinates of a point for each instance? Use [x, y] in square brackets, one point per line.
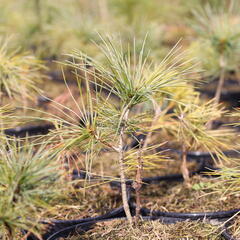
[130, 76]
[5, 113]
[151, 158]
[30, 179]
[218, 32]
[190, 124]
[19, 72]
[134, 80]
[228, 181]
[52, 27]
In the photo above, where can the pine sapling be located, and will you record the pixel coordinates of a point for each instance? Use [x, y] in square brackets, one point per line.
[217, 46]
[131, 77]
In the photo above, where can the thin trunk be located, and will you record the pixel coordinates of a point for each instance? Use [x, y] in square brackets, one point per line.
[123, 178]
[138, 183]
[184, 168]
[122, 169]
[219, 87]
[142, 147]
[155, 119]
[120, 152]
[221, 79]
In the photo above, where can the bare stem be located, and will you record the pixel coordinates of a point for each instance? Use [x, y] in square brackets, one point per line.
[122, 169]
[138, 183]
[221, 82]
[219, 88]
[184, 168]
[155, 119]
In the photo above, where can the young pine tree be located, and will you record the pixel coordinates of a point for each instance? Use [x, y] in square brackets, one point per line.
[133, 79]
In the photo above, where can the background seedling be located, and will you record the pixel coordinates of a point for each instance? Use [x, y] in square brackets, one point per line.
[29, 183]
[191, 129]
[19, 72]
[217, 46]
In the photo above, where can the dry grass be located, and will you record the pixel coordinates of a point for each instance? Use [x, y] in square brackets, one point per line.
[175, 197]
[119, 230]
